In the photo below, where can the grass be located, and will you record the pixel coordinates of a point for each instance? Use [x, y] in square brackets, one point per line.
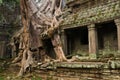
[1, 78]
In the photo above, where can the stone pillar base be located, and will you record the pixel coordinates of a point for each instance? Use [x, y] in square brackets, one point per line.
[92, 56]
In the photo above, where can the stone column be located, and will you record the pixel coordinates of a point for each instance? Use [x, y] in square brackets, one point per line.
[64, 41]
[93, 41]
[117, 22]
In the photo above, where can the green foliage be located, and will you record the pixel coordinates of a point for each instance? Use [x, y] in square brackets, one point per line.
[36, 78]
[1, 69]
[10, 6]
[1, 78]
[1, 1]
[2, 19]
[10, 1]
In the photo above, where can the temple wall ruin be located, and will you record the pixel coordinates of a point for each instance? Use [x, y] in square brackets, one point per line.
[93, 14]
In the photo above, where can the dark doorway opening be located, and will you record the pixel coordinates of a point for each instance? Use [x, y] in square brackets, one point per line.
[77, 40]
[49, 48]
[107, 36]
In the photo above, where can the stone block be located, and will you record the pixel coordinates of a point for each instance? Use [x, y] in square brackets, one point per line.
[93, 56]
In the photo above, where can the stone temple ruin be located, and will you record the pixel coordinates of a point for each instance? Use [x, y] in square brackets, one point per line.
[91, 32]
[92, 26]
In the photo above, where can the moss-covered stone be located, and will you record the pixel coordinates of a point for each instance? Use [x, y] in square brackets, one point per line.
[92, 56]
[96, 14]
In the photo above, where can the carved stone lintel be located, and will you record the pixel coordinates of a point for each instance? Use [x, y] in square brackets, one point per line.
[117, 22]
[93, 41]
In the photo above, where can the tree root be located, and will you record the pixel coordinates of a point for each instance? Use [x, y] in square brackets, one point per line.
[49, 17]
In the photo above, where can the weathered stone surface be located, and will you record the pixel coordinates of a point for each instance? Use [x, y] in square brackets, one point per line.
[93, 41]
[117, 22]
[97, 14]
[84, 71]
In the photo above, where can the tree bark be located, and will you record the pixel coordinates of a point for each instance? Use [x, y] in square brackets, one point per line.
[39, 20]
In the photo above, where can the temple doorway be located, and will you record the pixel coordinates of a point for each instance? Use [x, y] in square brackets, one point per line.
[77, 41]
[107, 38]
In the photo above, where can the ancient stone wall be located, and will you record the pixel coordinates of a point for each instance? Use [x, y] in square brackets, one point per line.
[94, 13]
[83, 71]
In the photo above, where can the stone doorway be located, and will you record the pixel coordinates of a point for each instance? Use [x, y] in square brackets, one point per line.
[77, 41]
[107, 37]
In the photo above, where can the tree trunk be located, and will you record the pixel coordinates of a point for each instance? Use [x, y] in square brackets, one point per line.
[2, 49]
[40, 21]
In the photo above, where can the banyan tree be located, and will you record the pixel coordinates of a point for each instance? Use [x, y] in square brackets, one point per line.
[40, 20]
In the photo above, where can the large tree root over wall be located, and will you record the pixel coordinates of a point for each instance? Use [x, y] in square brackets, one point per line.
[40, 21]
